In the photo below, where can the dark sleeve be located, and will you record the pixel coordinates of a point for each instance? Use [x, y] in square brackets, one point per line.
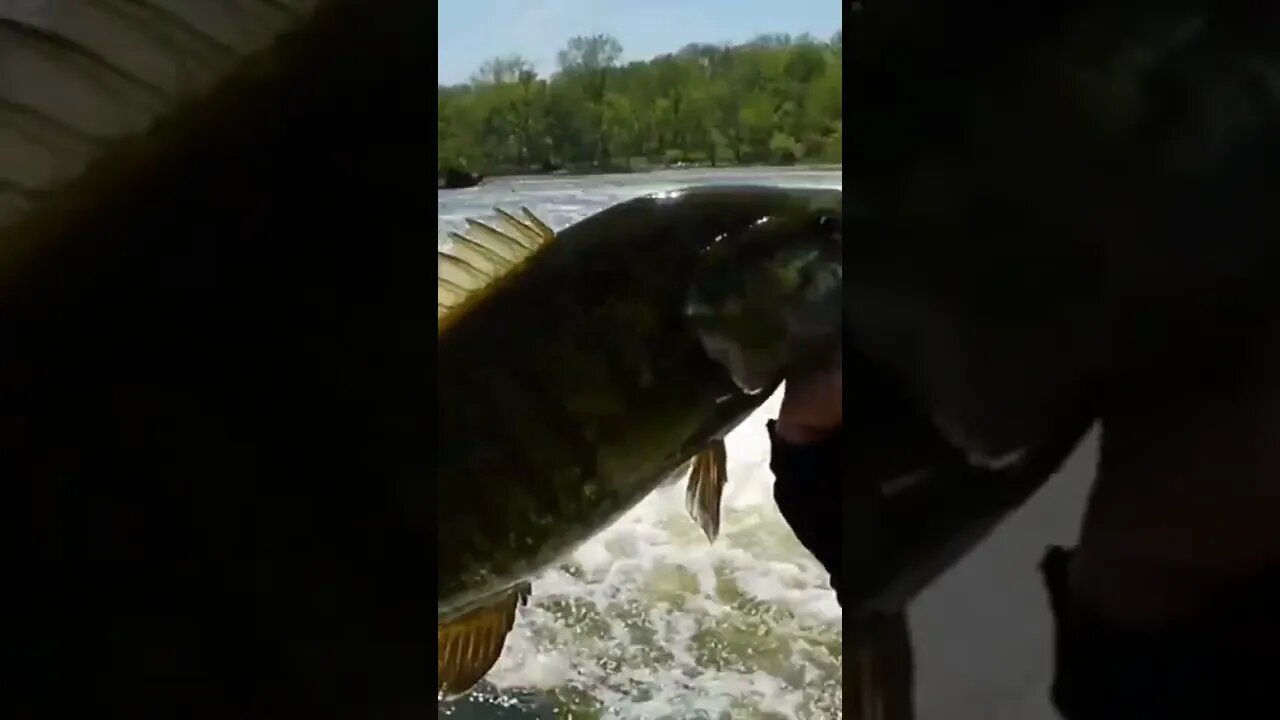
[1211, 668]
[807, 490]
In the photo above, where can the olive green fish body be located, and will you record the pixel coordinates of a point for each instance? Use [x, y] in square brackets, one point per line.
[574, 388]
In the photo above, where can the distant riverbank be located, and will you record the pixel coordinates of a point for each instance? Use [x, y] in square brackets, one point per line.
[676, 169]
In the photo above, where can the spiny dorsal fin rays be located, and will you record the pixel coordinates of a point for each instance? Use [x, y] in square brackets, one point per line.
[475, 260]
[497, 240]
[244, 26]
[55, 88]
[77, 74]
[193, 45]
[457, 274]
[76, 57]
[489, 253]
[521, 231]
[456, 280]
[531, 232]
[195, 54]
[542, 228]
[452, 286]
[40, 127]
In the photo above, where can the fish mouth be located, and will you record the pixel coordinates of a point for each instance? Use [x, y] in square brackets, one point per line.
[751, 371]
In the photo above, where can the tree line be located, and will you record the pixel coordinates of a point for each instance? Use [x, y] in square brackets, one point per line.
[774, 100]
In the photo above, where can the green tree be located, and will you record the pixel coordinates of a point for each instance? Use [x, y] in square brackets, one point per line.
[620, 126]
[587, 60]
[501, 70]
[775, 99]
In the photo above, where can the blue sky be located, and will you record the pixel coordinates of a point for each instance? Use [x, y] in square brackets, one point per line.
[472, 31]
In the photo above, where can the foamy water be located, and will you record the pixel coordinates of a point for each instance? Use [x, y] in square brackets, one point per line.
[647, 620]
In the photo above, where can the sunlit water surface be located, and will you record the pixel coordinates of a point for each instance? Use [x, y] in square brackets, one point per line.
[647, 620]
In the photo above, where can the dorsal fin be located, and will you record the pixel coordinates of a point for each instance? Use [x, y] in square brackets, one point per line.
[475, 260]
[76, 75]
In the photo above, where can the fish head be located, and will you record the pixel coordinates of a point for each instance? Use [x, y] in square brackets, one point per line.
[765, 301]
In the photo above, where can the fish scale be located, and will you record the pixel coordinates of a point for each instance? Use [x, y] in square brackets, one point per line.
[537, 391]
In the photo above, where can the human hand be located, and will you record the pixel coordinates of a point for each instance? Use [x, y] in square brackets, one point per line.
[812, 407]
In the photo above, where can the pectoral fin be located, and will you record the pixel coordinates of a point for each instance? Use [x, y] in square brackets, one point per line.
[706, 488]
[879, 674]
[468, 646]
